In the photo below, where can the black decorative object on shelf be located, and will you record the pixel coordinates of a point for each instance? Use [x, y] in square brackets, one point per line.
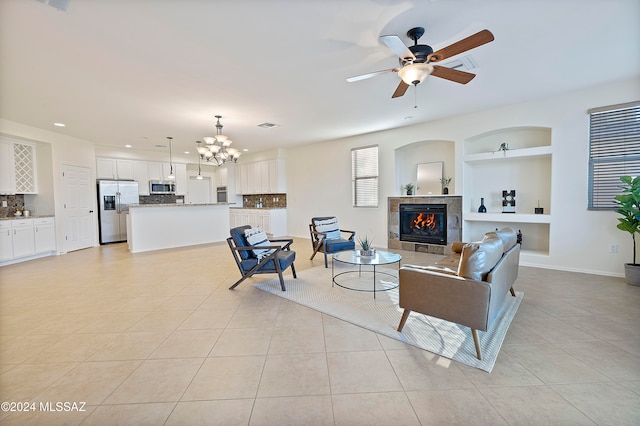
[519, 237]
[538, 210]
[482, 208]
[509, 201]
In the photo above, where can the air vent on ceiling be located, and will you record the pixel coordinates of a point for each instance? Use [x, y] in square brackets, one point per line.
[160, 146]
[464, 63]
[267, 125]
[57, 4]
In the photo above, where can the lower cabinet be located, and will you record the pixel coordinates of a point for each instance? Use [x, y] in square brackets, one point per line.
[25, 239]
[273, 221]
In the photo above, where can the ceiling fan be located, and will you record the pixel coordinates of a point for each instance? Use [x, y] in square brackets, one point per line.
[416, 61]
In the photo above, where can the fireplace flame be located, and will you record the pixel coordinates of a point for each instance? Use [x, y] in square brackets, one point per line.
[425, 221]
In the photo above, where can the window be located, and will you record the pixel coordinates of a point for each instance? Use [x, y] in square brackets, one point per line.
[364, 175]
[614, 151]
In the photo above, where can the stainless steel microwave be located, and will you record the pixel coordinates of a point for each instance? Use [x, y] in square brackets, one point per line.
[162, 187]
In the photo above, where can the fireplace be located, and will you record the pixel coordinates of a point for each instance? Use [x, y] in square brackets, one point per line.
[423, 223]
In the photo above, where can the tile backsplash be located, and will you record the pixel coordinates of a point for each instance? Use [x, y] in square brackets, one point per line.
[270, 201]
[14, 202]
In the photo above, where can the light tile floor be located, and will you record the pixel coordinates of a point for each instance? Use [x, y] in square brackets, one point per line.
[157, 338]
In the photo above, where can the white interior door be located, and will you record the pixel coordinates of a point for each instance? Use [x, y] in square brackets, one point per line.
[79, 229]
[199, 190]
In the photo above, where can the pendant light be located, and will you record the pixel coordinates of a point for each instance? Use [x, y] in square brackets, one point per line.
[199, 177]
[171, 175]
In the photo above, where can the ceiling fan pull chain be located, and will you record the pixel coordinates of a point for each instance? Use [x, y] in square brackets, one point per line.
[415, 96]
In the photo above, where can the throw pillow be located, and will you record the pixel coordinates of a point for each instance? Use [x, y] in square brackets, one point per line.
[329, 227]
[257, 237]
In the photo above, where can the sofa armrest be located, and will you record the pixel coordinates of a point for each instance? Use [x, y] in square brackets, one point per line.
[449, 297]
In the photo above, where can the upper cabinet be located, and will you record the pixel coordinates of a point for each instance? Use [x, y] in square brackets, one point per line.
[17, 167]
[111, 168]
[263, 177]
[141, 175]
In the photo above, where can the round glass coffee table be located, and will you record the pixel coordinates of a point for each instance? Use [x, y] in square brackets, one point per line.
[352, 257]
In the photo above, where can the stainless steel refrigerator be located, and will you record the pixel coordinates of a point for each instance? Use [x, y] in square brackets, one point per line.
[114, 198]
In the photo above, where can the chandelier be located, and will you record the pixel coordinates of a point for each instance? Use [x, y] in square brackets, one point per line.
[217, 148]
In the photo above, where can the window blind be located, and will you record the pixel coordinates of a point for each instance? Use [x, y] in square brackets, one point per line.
[614, 151]
[364, 174]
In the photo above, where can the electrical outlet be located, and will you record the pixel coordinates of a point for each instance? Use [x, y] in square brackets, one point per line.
[4, 203]
[613, 248]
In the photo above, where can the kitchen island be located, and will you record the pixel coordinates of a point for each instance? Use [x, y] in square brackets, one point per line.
[163, 226]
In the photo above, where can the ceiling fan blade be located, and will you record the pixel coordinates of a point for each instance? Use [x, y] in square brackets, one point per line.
[371, 74]
[394, 43]
[478, 39]
[400, 90]
[461, 77]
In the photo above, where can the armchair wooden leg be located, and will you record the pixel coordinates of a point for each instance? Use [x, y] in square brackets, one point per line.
[293, 271]
[476, 341]
[513, 293]
[403, 320]
[238, 282]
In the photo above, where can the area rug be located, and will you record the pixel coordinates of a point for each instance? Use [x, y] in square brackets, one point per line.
[313, 288]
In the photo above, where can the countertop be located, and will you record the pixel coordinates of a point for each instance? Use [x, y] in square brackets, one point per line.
[179, 205]
[23, 217]
[258, 208]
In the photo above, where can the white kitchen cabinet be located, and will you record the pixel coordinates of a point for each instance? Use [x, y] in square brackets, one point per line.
[263, 177]
[141, 175]
[17, 167]
[23, 238]
[273, 221]
[125, 170]
[112, 168]
[44, 235]
[7, 169]
[182, 180]
[26, 238]
[106, 168]
[6, 241]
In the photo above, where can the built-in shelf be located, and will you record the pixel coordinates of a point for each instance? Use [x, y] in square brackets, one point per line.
[525, 166]
[537, 151]
[507, 217]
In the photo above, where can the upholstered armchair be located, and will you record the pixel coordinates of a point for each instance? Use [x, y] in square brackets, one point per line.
[327, 238]
[254, 254]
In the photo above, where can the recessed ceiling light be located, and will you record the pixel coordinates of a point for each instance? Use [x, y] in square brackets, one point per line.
[187, 152]
[127, 146]
[245, 149]
[59, 124]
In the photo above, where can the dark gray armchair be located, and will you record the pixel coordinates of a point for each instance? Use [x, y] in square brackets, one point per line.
[278, 260]
[327, 238]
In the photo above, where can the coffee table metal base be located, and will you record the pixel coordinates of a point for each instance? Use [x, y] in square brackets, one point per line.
[375, 289]
[383, 258]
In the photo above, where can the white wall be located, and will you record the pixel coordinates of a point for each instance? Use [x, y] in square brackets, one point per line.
[319, 176]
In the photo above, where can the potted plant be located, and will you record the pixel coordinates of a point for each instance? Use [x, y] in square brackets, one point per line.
[445, 181]
[629, 208]
[409, 188]
[365, 246]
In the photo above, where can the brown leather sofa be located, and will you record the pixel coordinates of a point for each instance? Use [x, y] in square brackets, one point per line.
[468, 287]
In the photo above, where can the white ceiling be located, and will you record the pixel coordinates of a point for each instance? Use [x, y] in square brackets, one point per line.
[133, 72]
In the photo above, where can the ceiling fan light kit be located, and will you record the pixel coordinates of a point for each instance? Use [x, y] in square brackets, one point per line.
[416, 61]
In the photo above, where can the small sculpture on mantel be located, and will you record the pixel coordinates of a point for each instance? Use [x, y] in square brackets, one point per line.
[445, 181]
[482, 208]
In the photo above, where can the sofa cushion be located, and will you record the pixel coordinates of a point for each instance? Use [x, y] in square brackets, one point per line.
[507, 236]
[477, 259]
